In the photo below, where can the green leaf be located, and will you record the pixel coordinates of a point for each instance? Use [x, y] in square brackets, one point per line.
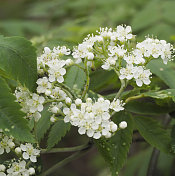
[147, 108]
[58, 130]
[153, 133]
[162, 94]
[164, 72]
[18, 60]
[115, 149]
[43, 124]
[154, 19]
[11, 117]
[147, 16]
[75, 75]
[173, 139]
[101, 78]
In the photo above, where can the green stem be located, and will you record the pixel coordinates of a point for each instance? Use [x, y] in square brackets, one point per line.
[86, 87]
[134, 98]
[68, 90]
[54, 100]
[66, 160]
[123, 85]
[66, 149]
[80, 67]
[122, 88]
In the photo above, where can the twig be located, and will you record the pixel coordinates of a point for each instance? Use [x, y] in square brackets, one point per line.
[66, 149]
[155, 153]
[66, 160]
[67, 90]
[153, 162]
[134, 98]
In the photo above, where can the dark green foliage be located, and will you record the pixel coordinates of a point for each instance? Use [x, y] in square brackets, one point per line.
[58, 130]
[115, 149]
[153, 133]
[11, 118]
[43, 124]
[75, 75]
[18, 60]
[164, 72]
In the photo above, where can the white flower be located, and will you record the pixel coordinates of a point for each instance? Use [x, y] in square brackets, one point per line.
[56, 70]
[124, 33]
[135, 57]
[127, 73]
[83, 51]
[105, 32]
[6, 143]
[142, 76]
[123, 125]
[111, 61]
[57, 93]
[43, 85]
[29, 152]
[36, 103]
[117, 105]
[117, 51]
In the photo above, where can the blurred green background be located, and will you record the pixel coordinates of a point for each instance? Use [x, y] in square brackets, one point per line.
[53, 22]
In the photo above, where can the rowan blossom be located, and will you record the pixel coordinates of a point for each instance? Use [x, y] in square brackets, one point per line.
[29, 152]
[93, 118]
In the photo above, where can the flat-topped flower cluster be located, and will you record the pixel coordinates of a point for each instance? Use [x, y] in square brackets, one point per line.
[93, 118]
[115, 48]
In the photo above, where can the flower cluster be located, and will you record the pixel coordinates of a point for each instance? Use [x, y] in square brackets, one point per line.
[31, 103]
[51, 63]
[16, 168]
[156, 48]
[93, 118]
[115, 50]
[140, 74]
[6, 143]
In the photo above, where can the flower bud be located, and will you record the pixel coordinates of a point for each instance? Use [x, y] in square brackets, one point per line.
[11, 144]
[69, 62]
[18, 150]
[123, 125]
[31, 171]
[68, 100]
[113, 127]
[54, 109]
[78, 101]
[2, 167]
